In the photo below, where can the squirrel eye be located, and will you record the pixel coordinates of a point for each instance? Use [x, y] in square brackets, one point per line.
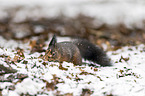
[53, 54]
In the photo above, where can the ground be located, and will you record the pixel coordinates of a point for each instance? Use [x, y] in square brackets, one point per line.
[114, 25]
[37, 77]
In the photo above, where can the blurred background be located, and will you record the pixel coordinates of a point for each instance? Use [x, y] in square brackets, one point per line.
[115, 23]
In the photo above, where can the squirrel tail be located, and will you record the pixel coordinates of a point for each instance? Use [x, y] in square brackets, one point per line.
[92, 52]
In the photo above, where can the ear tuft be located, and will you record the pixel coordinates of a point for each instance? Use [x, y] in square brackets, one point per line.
[53, 41]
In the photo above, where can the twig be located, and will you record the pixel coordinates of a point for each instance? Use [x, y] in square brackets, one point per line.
[7, 69]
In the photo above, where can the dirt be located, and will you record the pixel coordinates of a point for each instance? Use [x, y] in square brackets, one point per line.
[82, 26]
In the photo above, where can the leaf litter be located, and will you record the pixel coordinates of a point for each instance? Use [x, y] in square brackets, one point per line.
[37, 77]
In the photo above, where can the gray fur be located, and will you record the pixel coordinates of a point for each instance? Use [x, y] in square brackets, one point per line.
[92, 52]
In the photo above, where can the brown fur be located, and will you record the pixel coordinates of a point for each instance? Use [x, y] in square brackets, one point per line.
[64, 51]
[74, 52]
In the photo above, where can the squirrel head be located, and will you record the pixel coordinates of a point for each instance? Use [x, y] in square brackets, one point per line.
[51, 53]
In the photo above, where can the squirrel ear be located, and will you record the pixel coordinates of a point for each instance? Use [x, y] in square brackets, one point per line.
[53, 41]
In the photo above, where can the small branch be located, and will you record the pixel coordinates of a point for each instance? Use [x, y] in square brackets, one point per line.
[7, 69]
[13, 77]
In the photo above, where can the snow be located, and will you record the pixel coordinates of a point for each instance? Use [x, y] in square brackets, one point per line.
[124, 78]
[33, 87]
[112, 12]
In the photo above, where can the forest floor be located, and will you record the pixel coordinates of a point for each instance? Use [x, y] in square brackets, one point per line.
[24, 38]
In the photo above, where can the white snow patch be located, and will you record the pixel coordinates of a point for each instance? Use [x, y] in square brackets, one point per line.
[124, 78]
[29, 86]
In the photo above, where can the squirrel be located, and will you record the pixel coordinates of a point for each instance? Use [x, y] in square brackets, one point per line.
[74, 52]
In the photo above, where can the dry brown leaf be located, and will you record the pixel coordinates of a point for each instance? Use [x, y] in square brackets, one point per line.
[86, 92]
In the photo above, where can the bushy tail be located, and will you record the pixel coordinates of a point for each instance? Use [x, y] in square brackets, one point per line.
[92, 52]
